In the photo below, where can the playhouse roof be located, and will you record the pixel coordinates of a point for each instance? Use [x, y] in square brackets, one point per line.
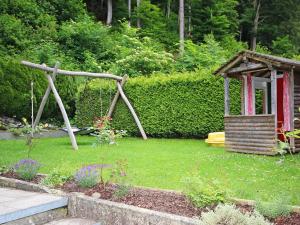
[254, 61]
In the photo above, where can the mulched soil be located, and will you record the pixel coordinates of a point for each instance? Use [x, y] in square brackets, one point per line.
[159, 200]
[292, 219]
[163, 201]
[11, 174]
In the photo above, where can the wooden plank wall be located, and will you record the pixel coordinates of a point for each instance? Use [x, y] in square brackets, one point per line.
[250, 134]
[296, 107]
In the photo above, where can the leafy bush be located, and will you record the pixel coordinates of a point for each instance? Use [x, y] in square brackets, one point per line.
[27, 169]
[15, 84]
[178, 105]
[87, 176]
[122, 190]
[103, 132]
[277, 207]
[54, 179]
[203, 192]
[230, 215]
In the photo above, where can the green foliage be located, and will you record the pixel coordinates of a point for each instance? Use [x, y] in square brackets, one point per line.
[144, 61]
[219, 18]
[283, 46]
[154, 23]
[208, 55]
[275, 208]
[15, 82]
[230, 215]
[122, 190]
[104, 133]
[203, 192]
[55, 178]
[178, 105]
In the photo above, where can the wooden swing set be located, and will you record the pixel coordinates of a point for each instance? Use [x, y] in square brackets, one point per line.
[120, 81]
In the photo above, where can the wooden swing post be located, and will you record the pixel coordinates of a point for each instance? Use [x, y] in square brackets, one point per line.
[55, 71]
[116, 97]
[136, 119]
[45, 97]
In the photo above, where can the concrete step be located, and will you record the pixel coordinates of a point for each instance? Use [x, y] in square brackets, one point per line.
[73, 221]
[17, 205]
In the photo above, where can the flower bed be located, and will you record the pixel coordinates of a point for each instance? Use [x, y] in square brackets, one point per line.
[153, 199]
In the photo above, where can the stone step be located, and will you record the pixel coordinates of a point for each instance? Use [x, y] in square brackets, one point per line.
[23, 205]
[41, 218]
[73, 221]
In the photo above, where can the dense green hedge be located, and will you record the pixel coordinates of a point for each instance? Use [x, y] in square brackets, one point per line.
[15, 93]
[181, 105]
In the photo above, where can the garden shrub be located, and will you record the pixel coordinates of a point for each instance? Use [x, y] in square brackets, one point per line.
[178, 105]
[87, 176]
[279, 206]
[15, 90]
[203, 192]
[55, 178]
[27, 169]
[230, 215]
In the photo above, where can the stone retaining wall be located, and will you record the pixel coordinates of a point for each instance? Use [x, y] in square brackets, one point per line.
[113, 213]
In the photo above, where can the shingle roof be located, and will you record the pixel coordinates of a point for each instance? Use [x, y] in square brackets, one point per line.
[259, 57]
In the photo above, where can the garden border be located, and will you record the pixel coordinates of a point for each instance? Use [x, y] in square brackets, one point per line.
[7, 135]
[111, 212]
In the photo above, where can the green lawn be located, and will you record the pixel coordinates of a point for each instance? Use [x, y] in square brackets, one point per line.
[162, 163]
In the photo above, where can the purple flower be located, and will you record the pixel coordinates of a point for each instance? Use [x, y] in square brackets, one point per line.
[87, 176]
[27, 168]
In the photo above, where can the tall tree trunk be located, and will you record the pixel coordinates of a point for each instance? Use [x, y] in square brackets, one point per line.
[129, 12]
[256, 4]
[190, 19]
[109, 12]
[181, 26]
[138, 22]
[168, 8]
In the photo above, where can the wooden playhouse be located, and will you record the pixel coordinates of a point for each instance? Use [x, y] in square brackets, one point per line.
[275, 82]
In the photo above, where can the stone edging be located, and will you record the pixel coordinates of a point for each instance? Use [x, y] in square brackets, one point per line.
[27, 186]
[114, 213]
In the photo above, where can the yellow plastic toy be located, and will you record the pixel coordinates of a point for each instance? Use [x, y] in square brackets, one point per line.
[216, 139]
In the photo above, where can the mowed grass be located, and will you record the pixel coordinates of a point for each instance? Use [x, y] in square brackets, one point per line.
[162, 163]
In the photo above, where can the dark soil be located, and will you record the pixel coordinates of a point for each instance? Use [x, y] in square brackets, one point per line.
[10, 174]
[163, 201]
[292, 219]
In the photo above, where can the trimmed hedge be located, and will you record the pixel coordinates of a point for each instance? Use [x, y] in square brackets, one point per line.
[181, 105]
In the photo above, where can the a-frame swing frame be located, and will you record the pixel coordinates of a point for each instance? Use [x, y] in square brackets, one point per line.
[120, 81]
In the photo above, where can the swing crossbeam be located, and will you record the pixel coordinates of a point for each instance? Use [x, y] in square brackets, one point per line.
[120, 81]
[71, 73]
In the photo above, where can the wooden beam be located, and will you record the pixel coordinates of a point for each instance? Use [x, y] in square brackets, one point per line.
[248, 67]
[64, 113]
[45, 97]
[261, 79]
[292, 103]
[137, 121]
[274, 94]
[246, 94]
[71, 73]
[242, 96]
[226, 96]
[226, 67]
[116, 97]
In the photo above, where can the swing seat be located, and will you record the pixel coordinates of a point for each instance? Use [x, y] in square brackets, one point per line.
[80, 131]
